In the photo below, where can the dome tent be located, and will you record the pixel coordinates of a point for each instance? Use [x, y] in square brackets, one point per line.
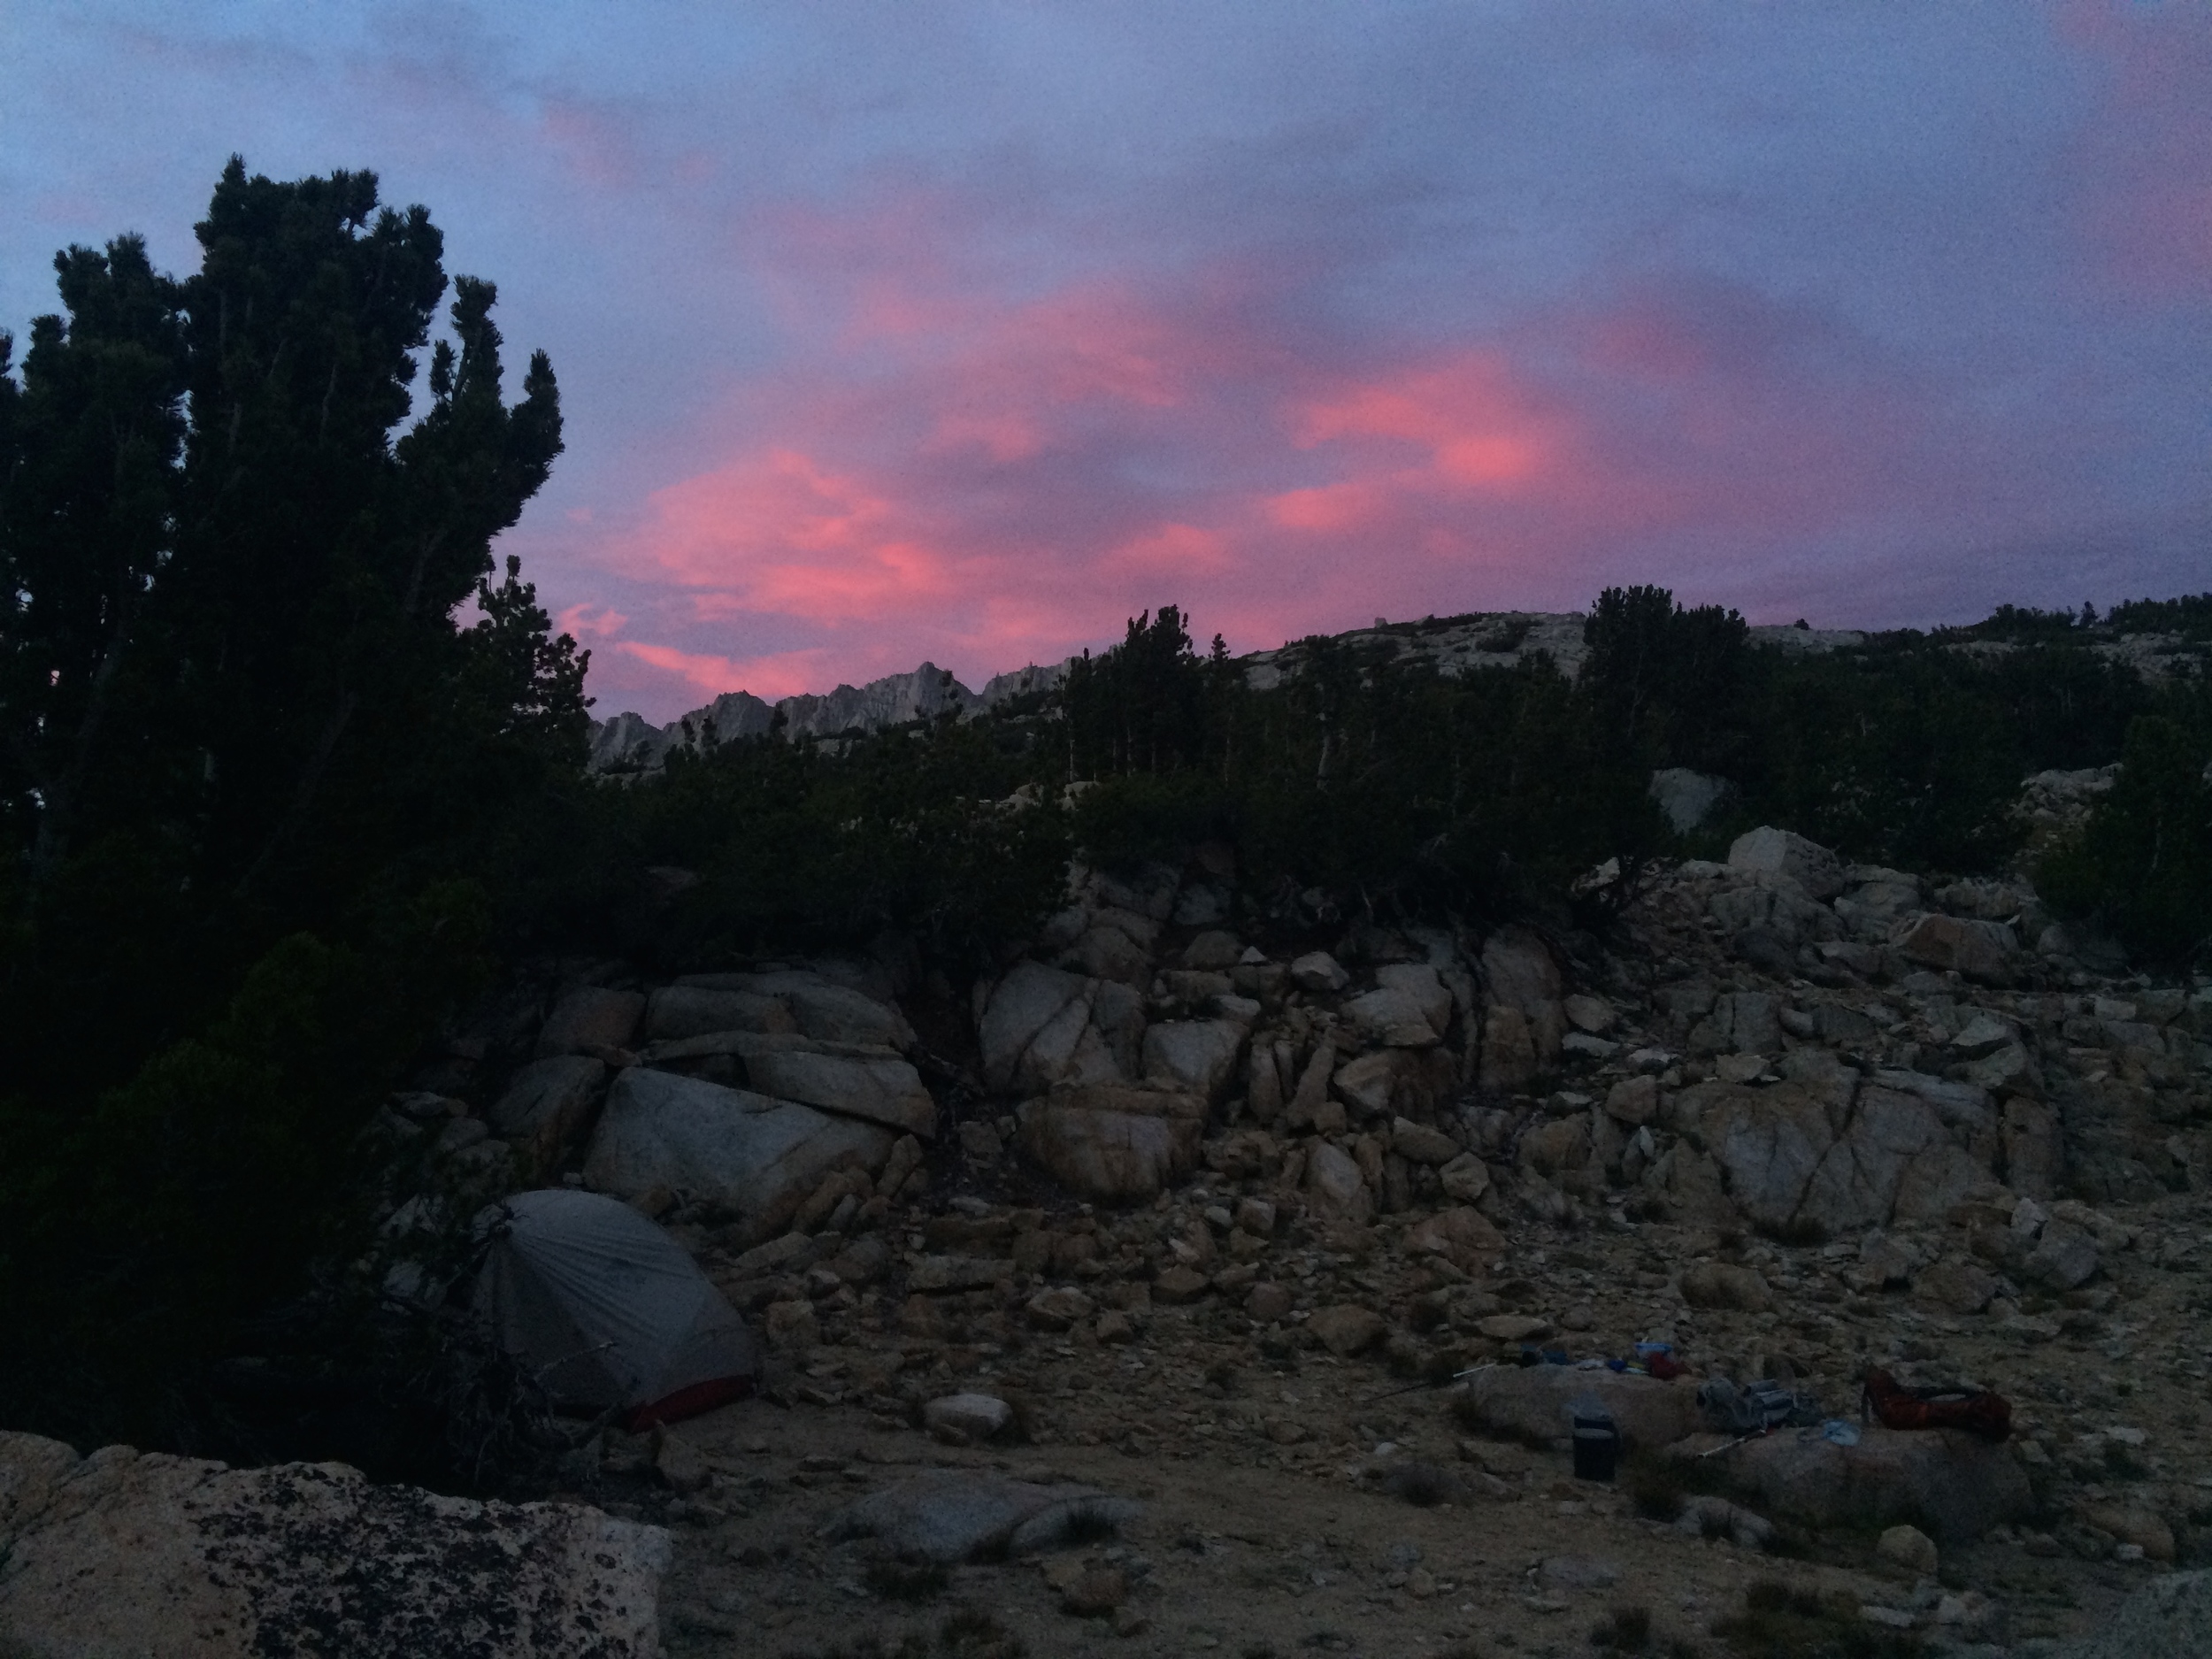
[607, 1312]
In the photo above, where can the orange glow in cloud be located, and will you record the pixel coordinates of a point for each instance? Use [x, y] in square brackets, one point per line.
[1327, 507]
[781, 532]
[1476, 425]
[1174, 550]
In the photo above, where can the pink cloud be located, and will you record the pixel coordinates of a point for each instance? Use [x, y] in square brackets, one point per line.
[1174, 551]
[1475, 423]
[982, 487]
[590, 621]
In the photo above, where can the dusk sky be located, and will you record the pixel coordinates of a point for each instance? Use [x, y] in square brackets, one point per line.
[927, 329]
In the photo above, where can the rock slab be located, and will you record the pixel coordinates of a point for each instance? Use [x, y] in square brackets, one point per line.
[159, 1557]
[741, 1152]
[1532, 1402]
[1944, 1480]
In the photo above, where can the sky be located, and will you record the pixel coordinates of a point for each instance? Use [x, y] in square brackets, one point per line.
[964, 331]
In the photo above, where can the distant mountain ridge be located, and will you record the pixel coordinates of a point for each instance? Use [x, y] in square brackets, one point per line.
[1455, 645]
[629, 742]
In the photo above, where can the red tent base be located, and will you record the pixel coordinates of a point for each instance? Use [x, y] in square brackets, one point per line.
[690, 1401]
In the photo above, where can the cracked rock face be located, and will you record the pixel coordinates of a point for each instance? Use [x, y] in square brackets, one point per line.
[152, 1557]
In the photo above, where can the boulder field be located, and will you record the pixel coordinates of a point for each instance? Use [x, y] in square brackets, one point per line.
[1165, 1221]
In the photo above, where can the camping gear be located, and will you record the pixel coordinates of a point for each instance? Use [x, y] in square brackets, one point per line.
[1597, 1440]
[606, 1312]
[1977, 1410]
[1756, 1407]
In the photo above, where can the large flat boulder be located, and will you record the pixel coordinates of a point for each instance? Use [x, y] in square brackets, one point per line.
[821, 1008]
[759, 1158]
[1792, 1158]
[1534, 1401]
[1114, 1142]
[131, 1556]
[1946, 1481]
[881, 1087]
[836, 1013]
[694, 1011]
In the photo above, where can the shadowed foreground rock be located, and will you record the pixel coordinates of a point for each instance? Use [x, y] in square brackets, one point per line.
[159, 1557]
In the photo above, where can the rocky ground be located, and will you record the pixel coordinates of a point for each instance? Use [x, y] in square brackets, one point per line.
[1099, 1300]
[1797, 1120]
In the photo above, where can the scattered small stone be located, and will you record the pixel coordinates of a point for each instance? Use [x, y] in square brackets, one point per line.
[1180, 1283]
[680, 1464]
[1059, 1308]
[1095, 1593]
[1269, 1302]
[963, 1419]
[1346, 1328]
[1908, 1548]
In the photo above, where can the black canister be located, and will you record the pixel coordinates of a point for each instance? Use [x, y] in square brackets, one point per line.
[1597, 1447]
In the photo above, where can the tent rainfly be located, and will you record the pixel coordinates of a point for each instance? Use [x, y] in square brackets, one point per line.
[608, 1311]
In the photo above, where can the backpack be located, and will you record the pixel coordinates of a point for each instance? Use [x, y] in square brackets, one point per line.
[1976, 1410]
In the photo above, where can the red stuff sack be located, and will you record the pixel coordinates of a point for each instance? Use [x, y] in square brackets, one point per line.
[1977, 1411]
